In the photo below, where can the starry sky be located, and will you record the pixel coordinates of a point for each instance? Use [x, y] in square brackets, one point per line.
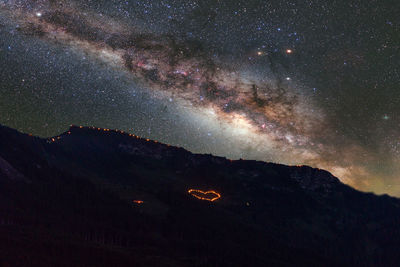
[293, 82]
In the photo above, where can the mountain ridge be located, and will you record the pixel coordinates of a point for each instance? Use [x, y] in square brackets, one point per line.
[112, 196]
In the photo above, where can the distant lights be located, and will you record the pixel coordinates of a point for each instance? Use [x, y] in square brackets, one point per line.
[55, 138]
[38, 14]
[289, 51]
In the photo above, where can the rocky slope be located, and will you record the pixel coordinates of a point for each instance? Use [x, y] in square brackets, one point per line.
[97, 197]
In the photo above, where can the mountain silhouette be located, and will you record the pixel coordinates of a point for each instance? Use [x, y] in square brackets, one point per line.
[100, 197]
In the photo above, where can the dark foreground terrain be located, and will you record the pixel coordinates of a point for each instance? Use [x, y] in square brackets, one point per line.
[69, 201]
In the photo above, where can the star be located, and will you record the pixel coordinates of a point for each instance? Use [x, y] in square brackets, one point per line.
[196, 61]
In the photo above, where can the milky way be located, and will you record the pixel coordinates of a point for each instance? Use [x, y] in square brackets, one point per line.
[269, 113]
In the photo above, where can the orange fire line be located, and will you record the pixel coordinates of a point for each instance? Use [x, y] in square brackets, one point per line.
[53, 139]
[193, 191]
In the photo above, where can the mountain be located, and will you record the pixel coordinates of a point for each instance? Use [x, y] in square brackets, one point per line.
[100, 197]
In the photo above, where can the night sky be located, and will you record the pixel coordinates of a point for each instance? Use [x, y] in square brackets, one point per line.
[293, 82]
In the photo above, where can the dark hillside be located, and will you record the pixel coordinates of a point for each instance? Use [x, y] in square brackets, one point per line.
[75, 200]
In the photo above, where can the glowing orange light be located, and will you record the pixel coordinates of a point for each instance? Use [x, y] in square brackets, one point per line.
[289, 51]
[138, 201]
[204, 195]
[108, 130]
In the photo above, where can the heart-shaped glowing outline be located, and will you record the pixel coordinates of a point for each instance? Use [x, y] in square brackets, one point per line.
[191, 191]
